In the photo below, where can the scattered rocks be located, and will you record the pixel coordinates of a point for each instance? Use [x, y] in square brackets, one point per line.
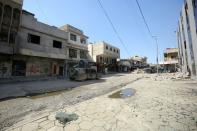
[64, 118]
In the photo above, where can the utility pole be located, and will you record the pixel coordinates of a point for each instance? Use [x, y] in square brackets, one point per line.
[157, 60]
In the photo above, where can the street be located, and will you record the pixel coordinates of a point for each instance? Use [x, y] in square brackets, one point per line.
[158, 104]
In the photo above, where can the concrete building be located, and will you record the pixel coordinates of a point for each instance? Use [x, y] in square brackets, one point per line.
[187, 37]
[138, 62]
[10, 15]
[170, 63]
[104, 54]
[77, 44]
[124, 65]
[42, 50]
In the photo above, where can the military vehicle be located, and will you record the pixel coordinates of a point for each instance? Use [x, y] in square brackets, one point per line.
[84, 70]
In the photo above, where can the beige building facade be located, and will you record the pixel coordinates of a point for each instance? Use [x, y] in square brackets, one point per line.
[170, 63]
[104, 53]
[171, 55]
[138, 61]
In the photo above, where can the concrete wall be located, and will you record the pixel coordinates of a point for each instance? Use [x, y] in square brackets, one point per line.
[193, 30]
[79, 35]
[6, 47]
[39, 66]
[5, 66]
[187, 37]
[18, 1]
[109, 52]
[99, 49]
[47, 34]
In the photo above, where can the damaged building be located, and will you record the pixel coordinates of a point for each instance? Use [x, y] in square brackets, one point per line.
[170, 63]
[10, 14]
[187, 38]
[40, 50]
[138, 62]
[29, 48]
[77, 45]
[105, 55]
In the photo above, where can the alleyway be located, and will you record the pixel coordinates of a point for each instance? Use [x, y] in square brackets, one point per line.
[158, 104]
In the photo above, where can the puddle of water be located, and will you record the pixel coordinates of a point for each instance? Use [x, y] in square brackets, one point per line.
[124, 93]
[48, 94]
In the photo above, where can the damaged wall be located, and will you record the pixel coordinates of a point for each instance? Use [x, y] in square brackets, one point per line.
[5, 66]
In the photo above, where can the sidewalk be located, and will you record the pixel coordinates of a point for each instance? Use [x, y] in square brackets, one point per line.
[21, 89]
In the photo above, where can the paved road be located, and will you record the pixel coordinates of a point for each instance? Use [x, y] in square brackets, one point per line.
[20, 89]
[157, 106]
[14, 110]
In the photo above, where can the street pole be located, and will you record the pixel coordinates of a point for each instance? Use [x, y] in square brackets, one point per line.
[157, 60]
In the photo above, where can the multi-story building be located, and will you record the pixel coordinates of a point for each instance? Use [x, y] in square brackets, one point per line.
[10, 15]
[187, 37]
[170, 63]
[40, 50]
[43, 50]
[77, 44]
[138, 62]
[104, 54]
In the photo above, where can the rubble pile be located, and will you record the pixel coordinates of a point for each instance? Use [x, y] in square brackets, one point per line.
[138, 71]
[170, 76]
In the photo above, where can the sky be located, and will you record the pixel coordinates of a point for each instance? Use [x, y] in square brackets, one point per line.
[161, 15]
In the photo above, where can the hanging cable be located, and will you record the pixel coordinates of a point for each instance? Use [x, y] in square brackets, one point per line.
[113, 27]
[145, 22]
[43, 12]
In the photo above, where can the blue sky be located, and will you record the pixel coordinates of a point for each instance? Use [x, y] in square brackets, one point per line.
[161, 15]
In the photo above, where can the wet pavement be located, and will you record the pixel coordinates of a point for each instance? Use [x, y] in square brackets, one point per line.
[154, 106]
[124, 93]
[14, 110]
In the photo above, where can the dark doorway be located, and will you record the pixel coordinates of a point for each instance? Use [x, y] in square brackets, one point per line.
[61, 70]
[19, 68]
[54, 69]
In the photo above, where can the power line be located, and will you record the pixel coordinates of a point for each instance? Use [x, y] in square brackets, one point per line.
[143, 18]
[43, 12]
[112, 25]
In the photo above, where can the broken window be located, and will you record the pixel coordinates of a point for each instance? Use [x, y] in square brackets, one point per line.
[6, 23]
[83, 54]
[165, 55]
[114, 50]
[83, 41]
[106, 47]
[15, 25]
[57, 44]
[33, 39]
[110, 49]
[12, 37]
[185, 44]
[4, 33]
[73, 37]
[72, 53]
[117, 51]
[16, 18]
[7, 15]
